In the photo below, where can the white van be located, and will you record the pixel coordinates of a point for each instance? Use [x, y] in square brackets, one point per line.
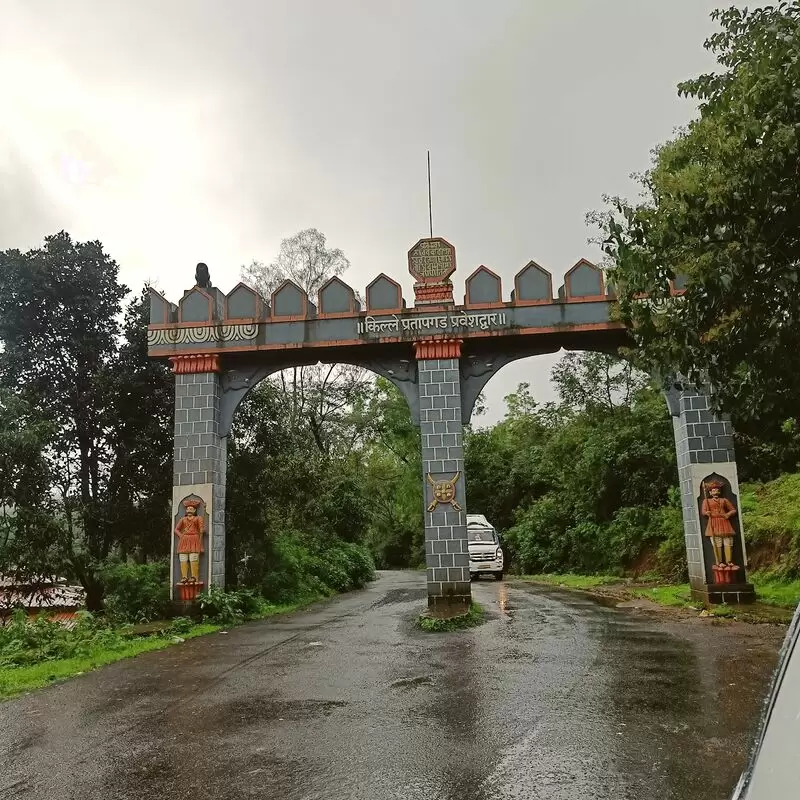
[485, 552]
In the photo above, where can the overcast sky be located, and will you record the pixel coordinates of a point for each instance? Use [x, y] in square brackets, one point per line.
[178, 131]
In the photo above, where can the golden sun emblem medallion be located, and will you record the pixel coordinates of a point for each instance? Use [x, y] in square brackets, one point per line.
[444, 492]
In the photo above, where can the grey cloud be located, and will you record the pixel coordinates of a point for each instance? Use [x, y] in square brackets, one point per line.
[263, 118]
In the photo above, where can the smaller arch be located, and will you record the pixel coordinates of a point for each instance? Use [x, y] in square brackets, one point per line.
[243, 302]
[483, 287]
[290, 302]
[196, 305]
[337, 299]
[384, 294]
[533, 285]
[584, 281]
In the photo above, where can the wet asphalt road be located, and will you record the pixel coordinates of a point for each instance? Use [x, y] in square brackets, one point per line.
[555, 697]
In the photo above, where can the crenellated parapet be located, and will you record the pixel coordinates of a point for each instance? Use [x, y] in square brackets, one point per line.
[206, 320]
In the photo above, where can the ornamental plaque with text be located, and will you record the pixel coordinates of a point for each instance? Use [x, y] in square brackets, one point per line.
[432, 260]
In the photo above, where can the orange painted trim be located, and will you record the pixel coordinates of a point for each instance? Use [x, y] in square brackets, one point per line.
[568, 280]
[194, 364]
[425, 349]
[338, 315]
[209, 300]
[397, 287]
[259, 305]
[589, 298]
[503, 333]
[213, 323]
[553, 301]
[473, 307]
[588, 326]
[483, 268]
[291, 317]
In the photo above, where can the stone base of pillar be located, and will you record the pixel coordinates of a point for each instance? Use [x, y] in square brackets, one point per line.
[730, 593]
[455, 599]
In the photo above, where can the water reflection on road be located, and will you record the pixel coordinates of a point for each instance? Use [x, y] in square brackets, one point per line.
[555, 697]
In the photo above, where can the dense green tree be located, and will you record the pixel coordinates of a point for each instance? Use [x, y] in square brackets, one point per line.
[30, 538]
[107, 407]
[392, 470]
[581, 484]
[59, 308]
[721, 214]
[140, 432]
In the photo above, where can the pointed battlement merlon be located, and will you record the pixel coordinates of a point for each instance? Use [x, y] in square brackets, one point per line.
[484, 288]
[532, 285]
[244, 302]
[584, 281]
[206, 321]
[336, 299]
[290, 302]
[384, 294]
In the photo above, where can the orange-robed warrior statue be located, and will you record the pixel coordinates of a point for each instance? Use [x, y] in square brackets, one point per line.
[719, 510]
[190, 530]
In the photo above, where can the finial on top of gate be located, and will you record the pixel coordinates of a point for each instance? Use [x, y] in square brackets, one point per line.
[432, 262]
[202, 278]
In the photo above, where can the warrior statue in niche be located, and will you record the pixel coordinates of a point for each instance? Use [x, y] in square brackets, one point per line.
[719, 510]
[190, 530]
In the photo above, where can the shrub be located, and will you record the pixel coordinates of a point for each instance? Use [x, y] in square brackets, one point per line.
[298, 570]
[136, 592]
[23, 642]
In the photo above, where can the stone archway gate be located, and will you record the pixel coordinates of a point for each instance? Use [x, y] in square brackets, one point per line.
[440, 355]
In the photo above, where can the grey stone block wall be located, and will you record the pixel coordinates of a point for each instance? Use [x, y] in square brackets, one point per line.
[441, 429]
[708, 437]
[200, 459]
[703, 444]
[691, 523]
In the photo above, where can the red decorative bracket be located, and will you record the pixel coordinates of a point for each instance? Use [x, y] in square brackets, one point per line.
[194, 364]
[437, 348]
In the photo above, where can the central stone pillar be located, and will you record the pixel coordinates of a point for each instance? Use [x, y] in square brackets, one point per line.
[199, 475]
[441, 429]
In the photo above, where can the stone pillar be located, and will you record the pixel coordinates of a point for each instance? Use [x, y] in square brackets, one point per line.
[200, 463]
[446, 552]
[704, 447]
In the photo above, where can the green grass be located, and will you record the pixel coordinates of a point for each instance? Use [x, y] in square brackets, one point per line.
[775, 592]
[474, 616]
[676, 595]
[572, 581]
[15, 680]
[771, 591]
